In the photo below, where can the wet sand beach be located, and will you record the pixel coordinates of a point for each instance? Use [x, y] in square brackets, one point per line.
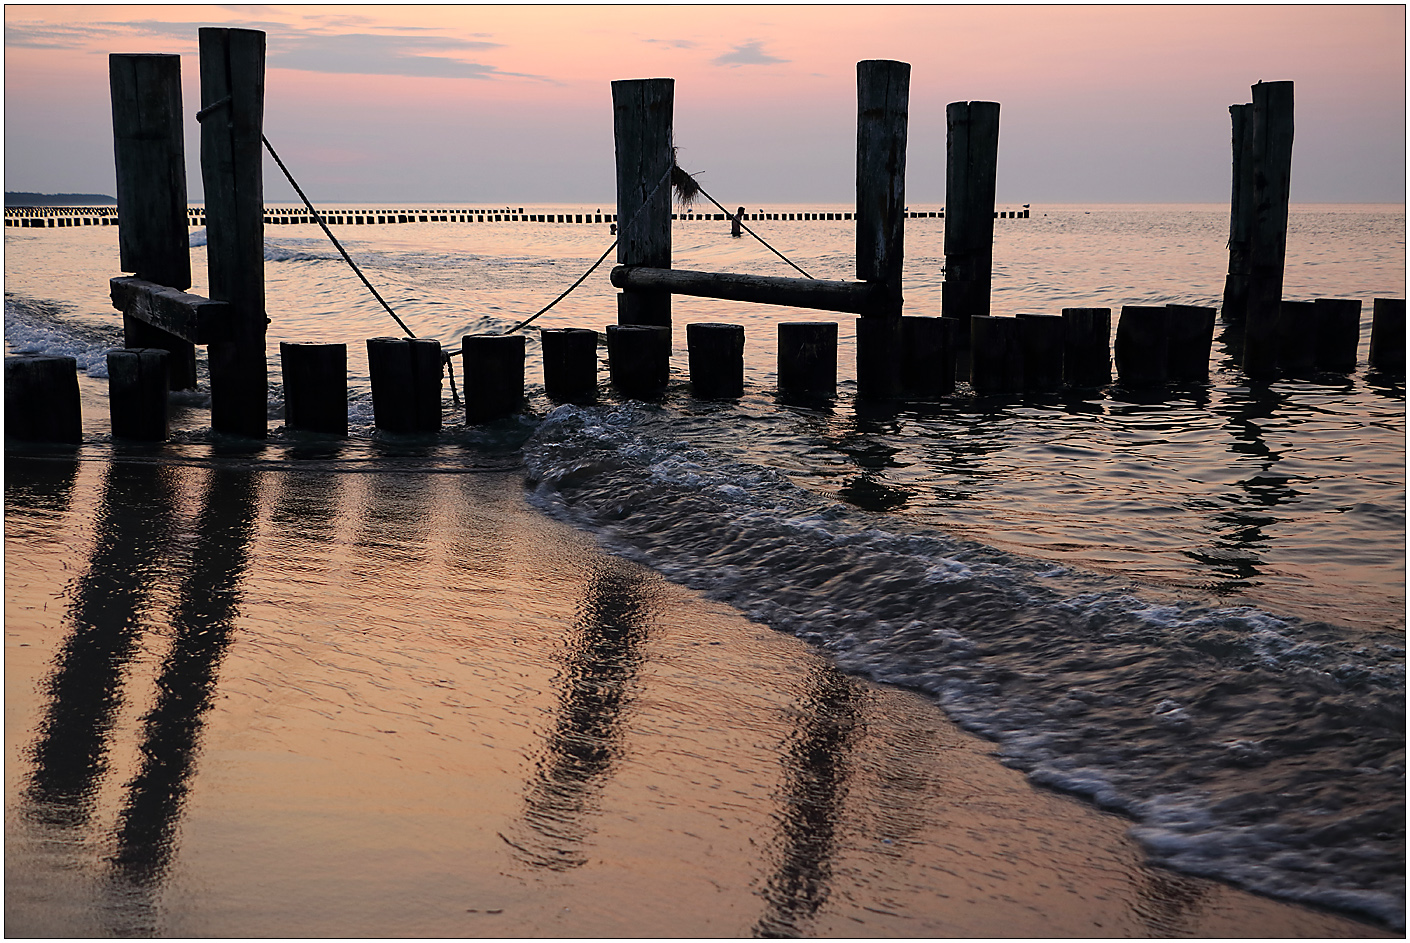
[308, 693]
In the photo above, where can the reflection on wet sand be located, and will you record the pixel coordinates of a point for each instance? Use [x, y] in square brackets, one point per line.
[209, 600]
[596, 686]
[130, 562]
[810, 803]
[84, 692]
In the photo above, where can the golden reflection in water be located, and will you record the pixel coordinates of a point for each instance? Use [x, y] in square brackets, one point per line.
[811, 803]
[108, 613]
[596, 686]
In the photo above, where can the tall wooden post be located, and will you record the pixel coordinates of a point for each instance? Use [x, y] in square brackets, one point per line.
[1272, 178]
[1240, 215]
[883, 101]
[232, 100]
[971, 168]
[642, 118]
[150, 158]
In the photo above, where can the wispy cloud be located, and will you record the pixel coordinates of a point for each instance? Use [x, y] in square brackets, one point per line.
[674, 43]
[748, 53]
[326, 47]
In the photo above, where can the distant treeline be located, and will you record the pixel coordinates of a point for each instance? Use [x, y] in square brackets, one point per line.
[21, 198]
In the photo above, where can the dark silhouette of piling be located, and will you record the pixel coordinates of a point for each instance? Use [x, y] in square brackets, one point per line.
[1272, 180]
[406, 383]
[971, 162]
[883, 102]
[927, 357]
[41, 399]
[494, 375]
[315, 386]
[569, 364]
[1338, 333]
[232, 159]
[1191, 332]
[642, 119]
[1042, 338]
[639, 359]
[149, 156]
[716, 353]
[1142, 346]
[1388, 335]
[995, 355]
[1241, 215]
[1086, 347]
[1298, 331]
[807, 358]
[137, 393]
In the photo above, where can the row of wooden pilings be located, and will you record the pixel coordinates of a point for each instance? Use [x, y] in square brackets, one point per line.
[105, 216]
[1029, 353]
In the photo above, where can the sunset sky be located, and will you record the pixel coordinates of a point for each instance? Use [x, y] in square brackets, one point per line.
[512, 103]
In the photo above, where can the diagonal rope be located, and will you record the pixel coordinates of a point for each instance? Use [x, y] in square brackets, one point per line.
[751, 232]
[621, 229]
[318, 218]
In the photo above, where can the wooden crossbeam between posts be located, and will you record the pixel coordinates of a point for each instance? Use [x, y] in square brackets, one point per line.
[821, 294]
[232, 105]
[191, 318]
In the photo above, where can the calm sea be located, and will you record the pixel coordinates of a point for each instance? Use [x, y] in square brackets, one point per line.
[1187, 607]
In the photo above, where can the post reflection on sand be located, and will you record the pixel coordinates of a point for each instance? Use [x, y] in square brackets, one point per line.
[595, 688]
[133, 558]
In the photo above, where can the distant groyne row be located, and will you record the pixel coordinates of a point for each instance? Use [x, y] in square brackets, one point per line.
[57, 217]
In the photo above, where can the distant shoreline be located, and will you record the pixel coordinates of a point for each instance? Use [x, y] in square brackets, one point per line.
[25, 198]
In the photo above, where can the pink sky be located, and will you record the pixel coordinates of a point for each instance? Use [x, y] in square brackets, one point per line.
[512, 103]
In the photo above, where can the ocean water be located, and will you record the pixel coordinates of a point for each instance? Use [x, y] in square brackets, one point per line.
[1188, 608]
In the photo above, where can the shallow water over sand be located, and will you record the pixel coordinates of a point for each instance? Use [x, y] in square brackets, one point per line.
[1187, 607]
[323, 699]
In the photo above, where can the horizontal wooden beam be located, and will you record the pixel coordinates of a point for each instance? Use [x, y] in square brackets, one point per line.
[187, 316]
[817, 293]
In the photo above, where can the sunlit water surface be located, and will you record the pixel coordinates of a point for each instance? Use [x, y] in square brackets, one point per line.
[1189, 607]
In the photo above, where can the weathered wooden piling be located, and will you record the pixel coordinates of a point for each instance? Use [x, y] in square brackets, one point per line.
[971, 162]
[149, 156]
[137, 393]
[493, 366]
[1241, 215]
[642, 111]
[1143, 346]
[716, 354]
[1338, 333]
[232, 105]
[1298, 331]
[883, 102]
[569, 363]
[879, 358]
[315, 386]
[1272, 179]
[639, 359]
[406, 383]
[807, 358]
[1042, 338]
[1388, 335]
[995, 355]
[1191, 332]
[927, 357]
[883, 96]
[41, 399]
[1086, 347]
